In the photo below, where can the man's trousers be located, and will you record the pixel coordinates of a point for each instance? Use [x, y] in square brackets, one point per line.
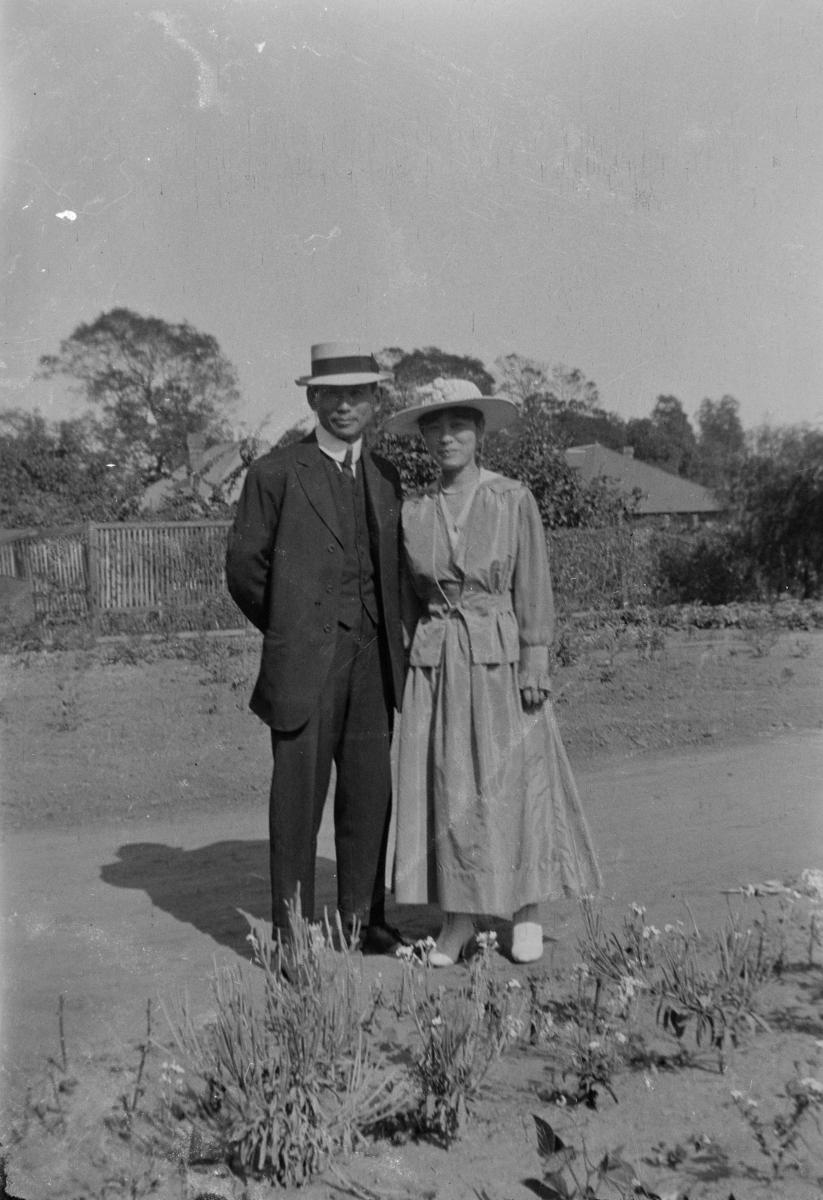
[352, 728]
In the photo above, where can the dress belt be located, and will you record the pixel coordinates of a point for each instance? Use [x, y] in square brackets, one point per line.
[454, 599]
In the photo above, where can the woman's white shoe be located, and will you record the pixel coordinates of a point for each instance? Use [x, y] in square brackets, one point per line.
[527, 942]
[452, 940]
[527, 934]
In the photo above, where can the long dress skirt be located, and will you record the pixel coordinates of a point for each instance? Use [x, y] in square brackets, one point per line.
[488, 814]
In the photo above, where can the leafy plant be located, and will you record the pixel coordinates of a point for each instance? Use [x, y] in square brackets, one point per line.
[572, 1175]
[778, 1136]
[711, 989]
[286, 1084]
[460, 1033]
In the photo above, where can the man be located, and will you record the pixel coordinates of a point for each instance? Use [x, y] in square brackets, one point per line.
[313, 562]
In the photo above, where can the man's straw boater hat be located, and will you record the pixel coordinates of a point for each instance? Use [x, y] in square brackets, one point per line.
[433, 397]
[341, 364]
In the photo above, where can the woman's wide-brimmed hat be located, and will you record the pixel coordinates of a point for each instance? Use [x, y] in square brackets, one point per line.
[342, 364]
[451, 393]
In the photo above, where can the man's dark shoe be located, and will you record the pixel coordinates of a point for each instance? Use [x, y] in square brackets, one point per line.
[381, 939]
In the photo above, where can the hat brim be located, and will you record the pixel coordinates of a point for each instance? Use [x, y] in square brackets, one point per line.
[497, 414]
[353, 379]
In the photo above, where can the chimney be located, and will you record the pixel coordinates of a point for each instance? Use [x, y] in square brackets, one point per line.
[628, 451]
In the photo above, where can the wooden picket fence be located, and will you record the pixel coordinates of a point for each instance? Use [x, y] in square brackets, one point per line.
[172, 575]
[125, 569]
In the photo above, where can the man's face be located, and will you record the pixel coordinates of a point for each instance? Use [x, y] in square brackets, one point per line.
[344, 411]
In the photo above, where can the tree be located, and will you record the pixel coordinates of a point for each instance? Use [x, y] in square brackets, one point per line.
[532, 455]
[56, 474]
[153, 384]
[721, 443]
[780, 499]
[581, 428]
[675, 434]
[413, 369]
[556, 389]
[666, 439]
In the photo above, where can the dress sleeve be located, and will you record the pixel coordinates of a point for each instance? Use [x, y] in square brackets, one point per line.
[532, 595]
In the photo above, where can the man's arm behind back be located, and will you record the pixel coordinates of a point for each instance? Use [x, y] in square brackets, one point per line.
[251, 538]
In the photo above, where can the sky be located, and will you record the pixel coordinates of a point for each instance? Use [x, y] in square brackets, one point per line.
[630, 187]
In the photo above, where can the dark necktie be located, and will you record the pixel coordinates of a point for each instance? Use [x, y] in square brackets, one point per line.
[348, 465]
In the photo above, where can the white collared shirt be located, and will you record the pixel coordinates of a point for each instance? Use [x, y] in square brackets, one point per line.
[336, 449]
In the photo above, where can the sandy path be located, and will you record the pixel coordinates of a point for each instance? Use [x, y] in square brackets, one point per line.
[112, 916]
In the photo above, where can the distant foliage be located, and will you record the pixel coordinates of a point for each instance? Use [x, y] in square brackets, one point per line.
[57, 474]
[412, 369]
[721, 444]
[150, 384]
[666, 438]
[709, 567]
[532, 455]
[780, 500]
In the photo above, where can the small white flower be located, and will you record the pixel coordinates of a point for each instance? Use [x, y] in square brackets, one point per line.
[595, 1045]
[404, 953]
[651, 931]
[736, 1095]
[514, 985]
[436, 1022]
[513, 1027]
[812, 1085]
[638, 910]
[620, 1038]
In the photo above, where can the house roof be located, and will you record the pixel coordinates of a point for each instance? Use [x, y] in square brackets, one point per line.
[660, 492]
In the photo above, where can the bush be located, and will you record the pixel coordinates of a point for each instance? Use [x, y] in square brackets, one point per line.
[711, 568]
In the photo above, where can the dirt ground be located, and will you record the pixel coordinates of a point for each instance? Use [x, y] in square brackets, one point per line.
[134, 827]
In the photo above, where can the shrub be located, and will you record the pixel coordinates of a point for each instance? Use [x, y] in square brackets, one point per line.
[711, 568]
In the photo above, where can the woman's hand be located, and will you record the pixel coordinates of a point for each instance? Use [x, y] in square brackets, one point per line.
[533, 698]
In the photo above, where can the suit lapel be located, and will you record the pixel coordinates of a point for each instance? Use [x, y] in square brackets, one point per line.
[314, 479]
[373, 481]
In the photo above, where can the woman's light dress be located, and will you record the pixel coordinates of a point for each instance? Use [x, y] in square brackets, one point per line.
[488, 814]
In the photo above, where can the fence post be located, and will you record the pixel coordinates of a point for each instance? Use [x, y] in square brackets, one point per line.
[92, 602]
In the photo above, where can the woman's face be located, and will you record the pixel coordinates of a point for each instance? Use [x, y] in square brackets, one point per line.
[451, 439]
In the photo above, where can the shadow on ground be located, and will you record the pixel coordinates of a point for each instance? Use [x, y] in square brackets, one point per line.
[207, 887]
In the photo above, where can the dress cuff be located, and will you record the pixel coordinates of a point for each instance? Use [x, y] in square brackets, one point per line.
[534, 668]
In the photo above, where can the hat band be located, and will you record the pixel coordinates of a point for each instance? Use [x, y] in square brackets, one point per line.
[352, 364]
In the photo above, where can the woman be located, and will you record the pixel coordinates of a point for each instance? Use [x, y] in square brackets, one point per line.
[488, 816]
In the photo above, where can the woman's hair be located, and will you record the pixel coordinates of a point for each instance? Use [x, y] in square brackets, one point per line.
[459, 410]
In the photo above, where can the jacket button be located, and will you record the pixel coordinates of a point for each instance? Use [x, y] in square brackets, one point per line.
[327, 628]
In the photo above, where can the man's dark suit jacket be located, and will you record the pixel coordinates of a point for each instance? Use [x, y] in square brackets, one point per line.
[283, 569]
